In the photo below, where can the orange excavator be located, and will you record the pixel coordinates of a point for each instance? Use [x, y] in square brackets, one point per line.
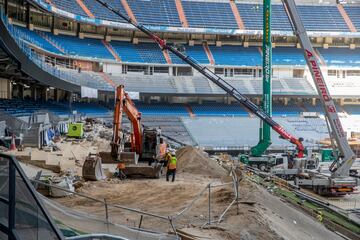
[140, 150]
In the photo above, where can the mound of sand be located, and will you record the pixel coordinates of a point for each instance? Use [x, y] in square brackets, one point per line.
[192, 160]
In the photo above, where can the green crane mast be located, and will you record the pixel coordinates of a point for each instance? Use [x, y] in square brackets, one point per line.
[265, 130]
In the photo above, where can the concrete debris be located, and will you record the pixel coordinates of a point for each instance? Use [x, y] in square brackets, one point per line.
[62, 182]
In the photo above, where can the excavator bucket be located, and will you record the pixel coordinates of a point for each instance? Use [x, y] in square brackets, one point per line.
[92, 169]
[144, 170]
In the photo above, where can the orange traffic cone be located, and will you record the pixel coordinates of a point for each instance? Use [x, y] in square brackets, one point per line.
[13, 145]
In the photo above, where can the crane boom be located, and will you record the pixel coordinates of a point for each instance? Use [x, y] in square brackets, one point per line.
[346, 156]
[228, 88]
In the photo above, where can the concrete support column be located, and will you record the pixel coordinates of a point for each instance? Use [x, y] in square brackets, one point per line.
[52, 24]
[78, 29]
[27, 14]
[21, 91]
[286, 101]
[5, 88]
[34, 93]
[6, 7]
[313, 101]
[44, 94]
[9, 89]
[341, 101]
[57, 95]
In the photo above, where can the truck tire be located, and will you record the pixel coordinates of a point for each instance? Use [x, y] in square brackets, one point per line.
[262, 167]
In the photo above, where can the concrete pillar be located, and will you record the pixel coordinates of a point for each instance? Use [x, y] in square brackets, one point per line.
[78, 29]
[70, 101]
[313, 101]
[21, 91]
[6, 7]
[286, 101]
[44, 94]
[9, 90]
[56, 95]
[52, 24]
[341, 101]
[28, 22]
[34, 93]
[5, 88]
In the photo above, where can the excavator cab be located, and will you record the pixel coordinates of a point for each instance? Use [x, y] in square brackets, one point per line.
[151, 142]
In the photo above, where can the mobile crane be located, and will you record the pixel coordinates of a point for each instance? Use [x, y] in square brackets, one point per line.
[339, 181]
[229, 89]
[142, 144]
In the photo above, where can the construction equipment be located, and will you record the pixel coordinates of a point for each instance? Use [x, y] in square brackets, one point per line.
[142, 144]
[76, 130]
[92, 169]
[265, 131]
[256, 157]
[338, 182]
[228, 88]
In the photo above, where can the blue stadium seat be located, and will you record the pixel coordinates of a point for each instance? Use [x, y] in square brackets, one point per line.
[91, 48]
[155, 12]
[341, 56]
[236, 55]
[315, 18]
[288, 56]
[20, 107]
[324, 18]
[289, 110]
[218, 109]
[209, 14]
[138, 53]
[196, 52]
[162, 109]
[34, 38]
[352, 109]
[252, 15]
[69, 6]
[354, 14]
[101, 12]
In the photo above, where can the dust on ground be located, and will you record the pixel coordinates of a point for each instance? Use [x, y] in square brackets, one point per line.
[259, 215]
[157, 196]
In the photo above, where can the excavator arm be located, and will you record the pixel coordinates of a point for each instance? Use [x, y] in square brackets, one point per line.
[123, 103]
[229, 89]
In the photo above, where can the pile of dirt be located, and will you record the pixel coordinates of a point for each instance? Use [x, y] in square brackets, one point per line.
[195, 161]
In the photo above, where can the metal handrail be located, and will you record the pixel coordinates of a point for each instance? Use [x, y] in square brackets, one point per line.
[15, 171]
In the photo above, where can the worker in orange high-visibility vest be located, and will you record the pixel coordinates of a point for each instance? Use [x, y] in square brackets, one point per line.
[171, 167]
[121, 170]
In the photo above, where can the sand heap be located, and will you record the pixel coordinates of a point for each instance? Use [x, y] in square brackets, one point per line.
[193, 160]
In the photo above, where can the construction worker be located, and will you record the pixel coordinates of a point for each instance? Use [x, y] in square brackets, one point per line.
[320, 216]
[171, 167]
[121, 171]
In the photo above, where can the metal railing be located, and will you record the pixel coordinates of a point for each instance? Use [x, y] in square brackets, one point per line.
[43, 62]
[20, 205]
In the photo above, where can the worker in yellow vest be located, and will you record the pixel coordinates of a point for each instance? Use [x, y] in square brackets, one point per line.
[171, 167]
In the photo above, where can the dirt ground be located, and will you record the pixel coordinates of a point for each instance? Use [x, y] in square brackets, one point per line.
[260, 215]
